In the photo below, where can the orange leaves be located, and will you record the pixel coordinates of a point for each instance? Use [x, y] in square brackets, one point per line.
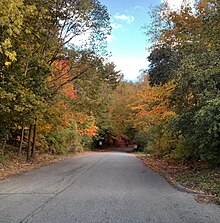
[92, 131]
[185, 27]
[69, 91]
[63, 74]
[153, 104]
[86, 124]
[61, 66]
[66, 118]
[45, 128]
[203, 6]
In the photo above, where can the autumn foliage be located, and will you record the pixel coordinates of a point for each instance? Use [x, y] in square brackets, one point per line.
[186, 52]
[173, 110]
[39, 65]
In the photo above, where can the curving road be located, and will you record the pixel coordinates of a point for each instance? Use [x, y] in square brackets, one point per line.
[112, 187]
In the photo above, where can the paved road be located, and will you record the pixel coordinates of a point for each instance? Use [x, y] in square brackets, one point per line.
[102, 188]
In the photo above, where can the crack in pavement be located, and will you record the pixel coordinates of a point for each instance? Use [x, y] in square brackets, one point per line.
[40, 208]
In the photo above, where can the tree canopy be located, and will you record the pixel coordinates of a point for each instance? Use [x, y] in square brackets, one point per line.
[58, 93]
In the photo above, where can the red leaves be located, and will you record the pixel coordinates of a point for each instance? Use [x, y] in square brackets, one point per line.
[62, 78]
[69, 91]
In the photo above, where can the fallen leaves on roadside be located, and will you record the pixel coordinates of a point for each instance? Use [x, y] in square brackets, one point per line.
[197, 175]
[158, 164]
[16, 165]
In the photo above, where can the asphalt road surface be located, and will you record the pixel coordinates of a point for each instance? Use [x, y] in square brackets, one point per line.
[102, 188]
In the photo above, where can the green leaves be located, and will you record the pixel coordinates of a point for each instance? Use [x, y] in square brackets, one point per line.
[34, 35]
[164, 61]
[11, 20]
[187, 52]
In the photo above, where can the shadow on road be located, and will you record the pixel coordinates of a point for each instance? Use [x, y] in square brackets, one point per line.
[117, 149]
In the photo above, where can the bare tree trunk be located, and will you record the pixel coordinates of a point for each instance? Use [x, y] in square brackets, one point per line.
[34, 139]
[29, 144]
[21, 142]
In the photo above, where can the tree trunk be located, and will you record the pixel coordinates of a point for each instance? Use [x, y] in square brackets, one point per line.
[21, 142]
[34, 139]
[29, 144]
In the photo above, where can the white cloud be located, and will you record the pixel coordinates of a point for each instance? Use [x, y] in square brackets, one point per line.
[82, 39]
[129, 66]
[126, 18]
[110, 38]
[176, 4]
[116, 26]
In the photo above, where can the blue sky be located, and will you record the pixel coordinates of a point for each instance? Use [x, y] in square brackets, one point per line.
[128, 42]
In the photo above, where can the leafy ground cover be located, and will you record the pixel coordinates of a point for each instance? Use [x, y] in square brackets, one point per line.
[198, 176]
[11, 163]
[16, 165]
[206, 179]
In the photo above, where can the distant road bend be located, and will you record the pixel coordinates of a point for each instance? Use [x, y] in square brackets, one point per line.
[110, 187]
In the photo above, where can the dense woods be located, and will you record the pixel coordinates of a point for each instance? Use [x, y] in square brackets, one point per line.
[58, 94]
[51, 80]
[185, 55]
[174, 110]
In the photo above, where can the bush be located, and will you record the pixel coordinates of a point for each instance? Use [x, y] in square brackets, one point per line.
[182, 151]
[140, 138]
[161, 138]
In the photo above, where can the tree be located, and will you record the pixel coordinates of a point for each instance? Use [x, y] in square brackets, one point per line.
[193, 35]
[34, 37]
[120, 109]
[152, 116]
[94, 90]
[163, 64]
[11, 21]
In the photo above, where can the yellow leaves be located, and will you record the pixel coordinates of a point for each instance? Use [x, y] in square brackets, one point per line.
[27, 31]
[153, 104]
[7, 63]
[120, 108]
[6, 43]
[11, 15]
[209, 46]
[86, 124]
[11, 55]
[31, 10]
[189, 25]
[46, 128]
[11, 19]
[14, 20]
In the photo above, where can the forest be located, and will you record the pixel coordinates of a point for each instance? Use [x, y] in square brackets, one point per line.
[60, 95]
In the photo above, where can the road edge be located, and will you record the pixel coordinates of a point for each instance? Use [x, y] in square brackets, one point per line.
[199, 195]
